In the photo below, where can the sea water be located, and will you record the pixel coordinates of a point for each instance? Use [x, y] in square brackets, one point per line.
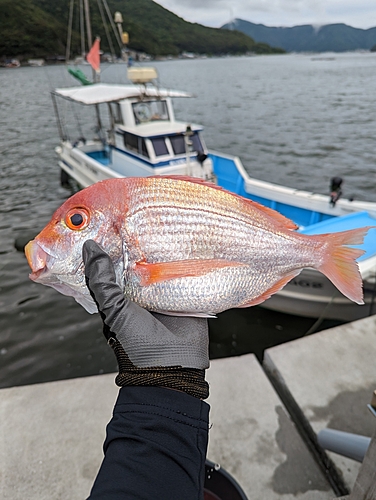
[296, 120]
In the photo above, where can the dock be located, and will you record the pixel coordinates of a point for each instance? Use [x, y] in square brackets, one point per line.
[265, 419]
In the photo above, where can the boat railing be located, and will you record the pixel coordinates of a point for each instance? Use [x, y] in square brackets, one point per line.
[92, 164]
[304, 207]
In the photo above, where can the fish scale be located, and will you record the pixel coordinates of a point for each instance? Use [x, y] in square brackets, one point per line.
[182, 246]
[219, 290]
[159, 238]
[168, 239]
[197, 196]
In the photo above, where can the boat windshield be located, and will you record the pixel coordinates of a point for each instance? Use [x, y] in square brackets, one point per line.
[178, 143]
[159, 145]
[135, 144]
[148, 111]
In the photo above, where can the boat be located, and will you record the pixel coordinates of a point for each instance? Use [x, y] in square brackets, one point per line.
[141, 137]
[12, 63]
[36, 63]
[144, 138]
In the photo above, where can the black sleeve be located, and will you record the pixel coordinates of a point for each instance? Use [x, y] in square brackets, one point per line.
[155, 447]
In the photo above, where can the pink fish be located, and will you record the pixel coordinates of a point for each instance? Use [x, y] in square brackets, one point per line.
[183, 246]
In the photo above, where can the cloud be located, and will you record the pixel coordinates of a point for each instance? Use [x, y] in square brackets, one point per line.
[357, 13]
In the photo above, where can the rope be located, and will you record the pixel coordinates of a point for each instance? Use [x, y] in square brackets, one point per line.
[321, 318]
[106, 29]
[69, 36]
[112, 24]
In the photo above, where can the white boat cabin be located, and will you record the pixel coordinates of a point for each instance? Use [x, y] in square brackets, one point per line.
[143, 136]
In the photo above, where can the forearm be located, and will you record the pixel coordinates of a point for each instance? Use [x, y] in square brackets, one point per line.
[155, 447]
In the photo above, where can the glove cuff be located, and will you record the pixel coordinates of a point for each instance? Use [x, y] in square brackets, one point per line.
[189, 380]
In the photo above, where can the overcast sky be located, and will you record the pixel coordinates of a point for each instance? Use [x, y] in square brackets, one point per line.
[356, 13]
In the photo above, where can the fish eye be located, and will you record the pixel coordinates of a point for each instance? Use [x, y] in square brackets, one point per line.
[77, 218]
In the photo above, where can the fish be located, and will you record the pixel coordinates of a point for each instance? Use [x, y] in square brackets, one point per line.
[184, 246]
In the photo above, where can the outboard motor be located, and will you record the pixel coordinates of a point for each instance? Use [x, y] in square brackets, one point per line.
[335, 190]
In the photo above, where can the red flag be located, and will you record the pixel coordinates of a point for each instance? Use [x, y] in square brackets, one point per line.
[93, 55]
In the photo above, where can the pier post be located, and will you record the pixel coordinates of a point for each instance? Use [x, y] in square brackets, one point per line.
[365, 483]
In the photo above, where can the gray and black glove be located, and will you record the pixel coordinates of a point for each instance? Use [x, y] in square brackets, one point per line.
[151, 349]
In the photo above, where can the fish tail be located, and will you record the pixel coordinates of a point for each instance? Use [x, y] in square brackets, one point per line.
[340, 265]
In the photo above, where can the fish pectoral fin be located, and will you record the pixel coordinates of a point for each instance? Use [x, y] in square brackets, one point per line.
[163, 271]
[272, 290]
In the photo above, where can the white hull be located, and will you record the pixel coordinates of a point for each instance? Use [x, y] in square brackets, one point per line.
[86, 170]
[312, 295]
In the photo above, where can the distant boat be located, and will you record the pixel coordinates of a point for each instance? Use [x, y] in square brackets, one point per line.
[36, 62]
[323, 58]
[12, 63]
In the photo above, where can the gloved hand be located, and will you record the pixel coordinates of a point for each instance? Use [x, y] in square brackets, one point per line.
[152, 349]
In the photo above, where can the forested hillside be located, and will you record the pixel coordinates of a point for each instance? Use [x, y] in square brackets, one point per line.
[38, 28]
[27, 30]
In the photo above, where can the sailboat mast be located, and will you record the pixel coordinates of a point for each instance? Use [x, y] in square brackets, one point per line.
[88, 26]
[82, 29]
[69, 35]
[88, 31]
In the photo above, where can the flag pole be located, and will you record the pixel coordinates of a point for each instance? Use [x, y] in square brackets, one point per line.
[89, 37]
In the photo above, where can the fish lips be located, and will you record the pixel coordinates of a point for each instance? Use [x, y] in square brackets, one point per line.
[39, 260]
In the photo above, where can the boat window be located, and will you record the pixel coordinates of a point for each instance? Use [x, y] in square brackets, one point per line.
[131, 142]
[144, 151]
[159, 145]
[136, 144]
[178, 144]
[149, 111]
[115, 112]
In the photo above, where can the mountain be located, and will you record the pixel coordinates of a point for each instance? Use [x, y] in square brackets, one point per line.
[38, 28]
[307, 38]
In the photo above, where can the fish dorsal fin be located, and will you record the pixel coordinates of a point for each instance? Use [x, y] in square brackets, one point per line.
[187, 178]
[278, 217]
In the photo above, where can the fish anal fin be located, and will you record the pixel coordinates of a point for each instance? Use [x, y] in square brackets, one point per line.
[272, 290]
[163, 271]
[278, 217]
[187, 314]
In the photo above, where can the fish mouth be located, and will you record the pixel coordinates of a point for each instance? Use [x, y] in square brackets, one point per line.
[37, 259]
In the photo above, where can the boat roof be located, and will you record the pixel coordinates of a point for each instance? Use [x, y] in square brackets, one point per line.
[159, 128]
[98, 93]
